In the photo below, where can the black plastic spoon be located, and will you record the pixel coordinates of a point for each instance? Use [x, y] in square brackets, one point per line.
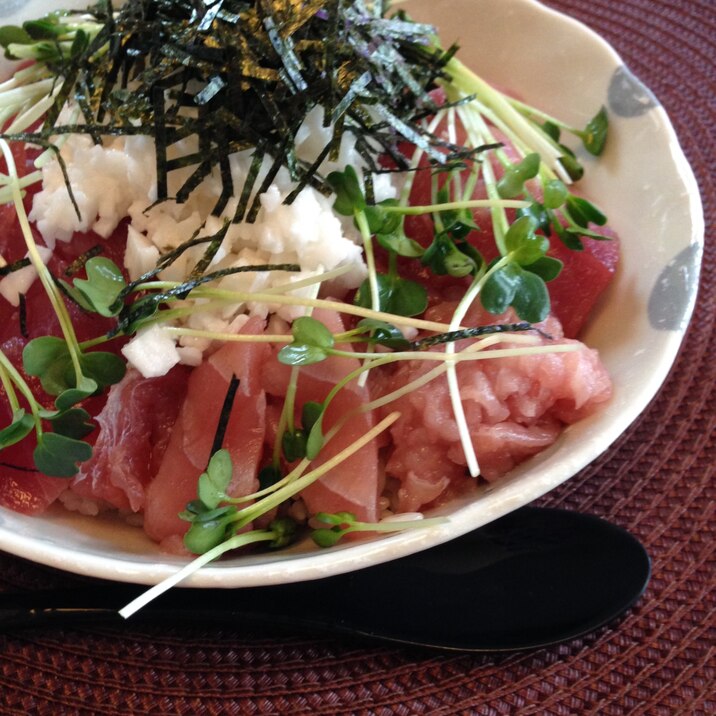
[536, 577]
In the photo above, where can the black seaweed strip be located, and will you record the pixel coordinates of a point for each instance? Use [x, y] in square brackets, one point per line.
[256, 164]
[284, 48]
[331, 35]
[117, 55]
[164, 261]
[451, 336]
[211, 249]
[79, 263]
[160, 141]
[147, 305]
[306, 175]
[22, 315]
[225, 414]
[227, 181]
[14, 266]
[62, 97]
[198, 176]
[209, 16]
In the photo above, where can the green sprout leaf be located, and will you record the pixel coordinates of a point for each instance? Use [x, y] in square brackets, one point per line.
[523, 244]
[512, 182]
[46, 28]
[101, 289]
[569, 163]
[209, 528]
[213, 483]
[444, 258]
[341, 523]
[293, 444]
[531, 300]
[13, 35]
[400, 244]
[312, 343]
[569, 237]
[298, 354]
[583, 212]
[551, 130]
[381, 221]
[541, 217]
[383, 333]
[500, 288]
[555, 194]
[594, 136]
[73, 423]
[284, 529]
[311, 414]
[312, 332]
[396, 295]
[49, 359]
[349, 194]
[546, 267]
[20, 427]
[58, 455]
[525, 291]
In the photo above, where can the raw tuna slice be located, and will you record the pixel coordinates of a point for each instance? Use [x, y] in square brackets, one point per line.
[574, 293]
[192, 438]
[135, 425]
[515, 407]
[22, 488]
[353, 486]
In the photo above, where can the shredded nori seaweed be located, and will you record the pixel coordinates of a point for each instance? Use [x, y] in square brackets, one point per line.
[244, 74]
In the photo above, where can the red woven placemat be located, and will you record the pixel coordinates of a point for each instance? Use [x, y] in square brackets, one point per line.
[657, 481]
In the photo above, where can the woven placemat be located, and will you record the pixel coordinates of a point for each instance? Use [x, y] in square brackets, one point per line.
[657, 481]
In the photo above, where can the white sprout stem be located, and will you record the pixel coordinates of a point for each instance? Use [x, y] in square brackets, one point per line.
[20, 78]
[490, 203]
[243, 296]
[452, 138]
[477, 130]
[436, 372]
[36, 110]
[240, 540]
[310, 280]
[458, 409]
[57, 303]
[470, 83]
[228, 337]
[369, 259]
[23, 183]
[26, 94]
[165, 585]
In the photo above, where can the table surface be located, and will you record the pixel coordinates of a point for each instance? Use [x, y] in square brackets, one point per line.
[657, 481]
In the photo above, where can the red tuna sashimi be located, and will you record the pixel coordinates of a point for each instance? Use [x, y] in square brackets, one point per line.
[574, 293]
[192, 438]
[135, 425]
[353, 486]
[21, 487]
[515, 407]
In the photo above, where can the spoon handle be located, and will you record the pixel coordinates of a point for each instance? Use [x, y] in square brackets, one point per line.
[533, 578]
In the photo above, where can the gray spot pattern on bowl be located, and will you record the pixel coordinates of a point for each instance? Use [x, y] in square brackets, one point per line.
[674, 290]
[8, 7]
[627, 96]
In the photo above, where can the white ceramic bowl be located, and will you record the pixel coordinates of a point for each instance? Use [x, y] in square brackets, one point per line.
[558, 64]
